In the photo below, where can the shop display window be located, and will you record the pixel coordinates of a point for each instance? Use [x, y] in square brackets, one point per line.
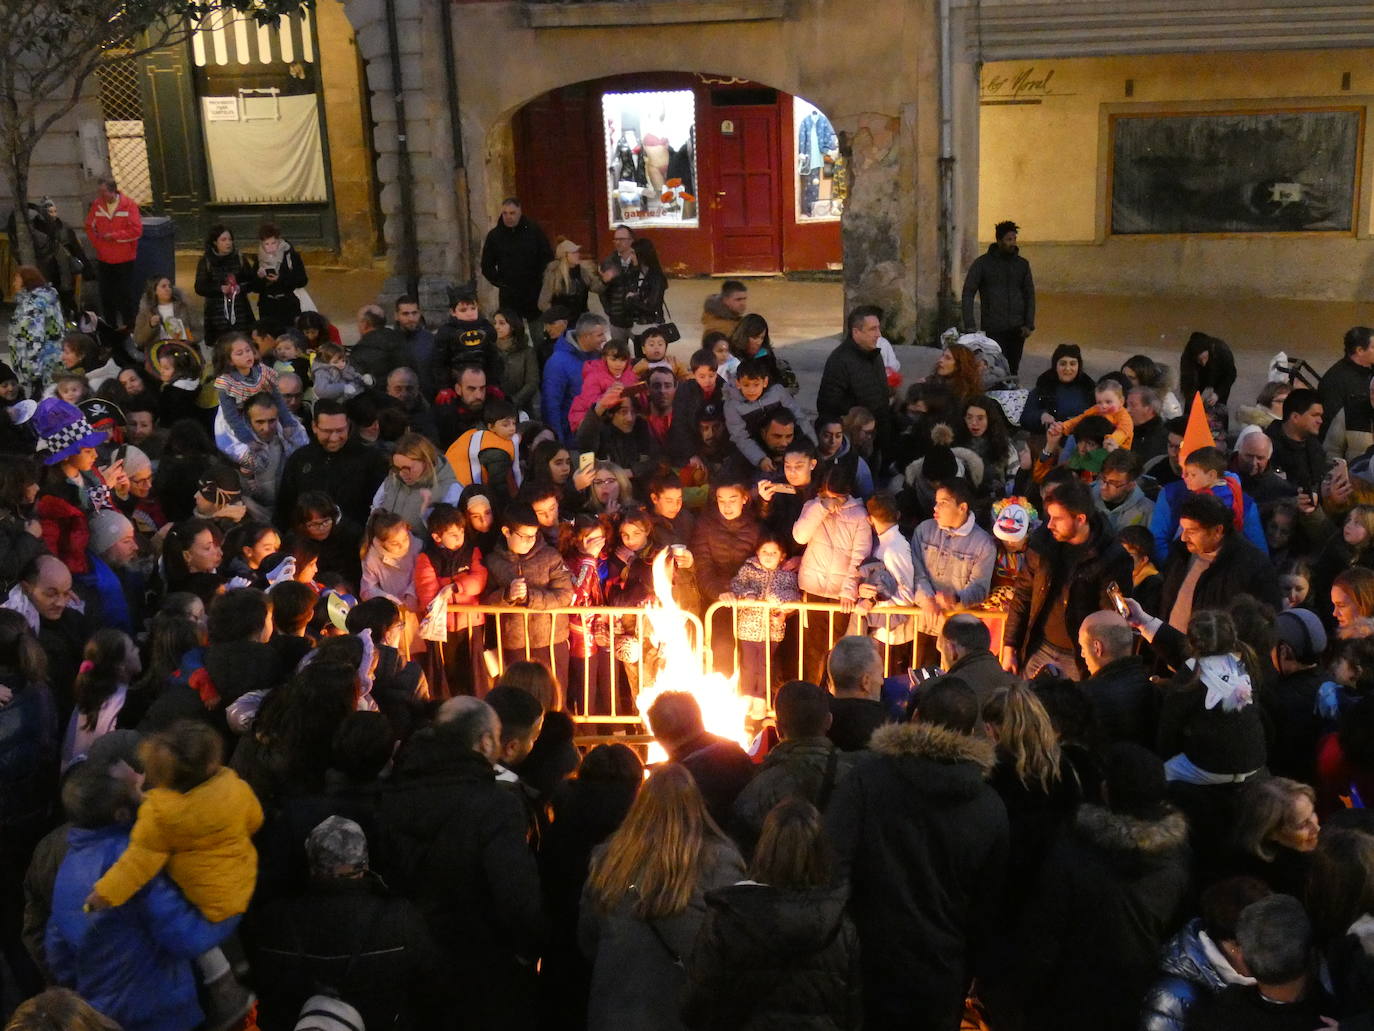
[820, 169]
[651, 157]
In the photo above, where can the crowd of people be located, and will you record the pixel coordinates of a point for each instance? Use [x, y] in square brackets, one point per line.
[1060, 697]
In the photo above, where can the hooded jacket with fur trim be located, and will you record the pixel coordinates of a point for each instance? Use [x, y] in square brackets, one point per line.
[1110, 894]
[923, 839]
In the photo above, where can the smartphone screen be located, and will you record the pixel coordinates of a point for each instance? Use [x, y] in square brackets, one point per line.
[586, 461]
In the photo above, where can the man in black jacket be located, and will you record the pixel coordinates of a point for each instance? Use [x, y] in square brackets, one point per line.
[1345, 386]
[347, 933]
[923, 840]
[514, 257]
[720, 767]
[1119, 686]
[1069, 562]
[1210, 564]
[1002, 280]
[379, 348]
[854, 374]
[1298, 450]
[1151, 439]
[335, 462]
[457, 848]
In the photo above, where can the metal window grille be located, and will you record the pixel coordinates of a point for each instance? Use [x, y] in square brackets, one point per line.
[122, 105]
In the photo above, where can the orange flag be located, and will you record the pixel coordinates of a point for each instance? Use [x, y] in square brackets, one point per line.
[1199, 432]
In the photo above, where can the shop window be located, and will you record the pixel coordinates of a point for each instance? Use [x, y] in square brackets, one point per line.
[257, 86]
[820, 172]
[651, 157]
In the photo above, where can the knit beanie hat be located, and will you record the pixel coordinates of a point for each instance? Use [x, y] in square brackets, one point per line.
[107, 526]
[1134, 780]
[136, 461]
[62, 430]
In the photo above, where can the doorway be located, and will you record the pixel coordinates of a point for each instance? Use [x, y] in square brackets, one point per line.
[746, 217]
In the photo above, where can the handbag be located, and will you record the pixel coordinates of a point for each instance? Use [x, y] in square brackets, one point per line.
[669, 329]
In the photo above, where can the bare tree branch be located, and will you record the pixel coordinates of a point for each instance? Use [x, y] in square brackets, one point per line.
[50, 49]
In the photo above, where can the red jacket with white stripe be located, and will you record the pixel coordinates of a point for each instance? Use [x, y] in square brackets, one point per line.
[114, 235]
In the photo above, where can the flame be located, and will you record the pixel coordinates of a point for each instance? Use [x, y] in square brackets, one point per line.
[723, 708]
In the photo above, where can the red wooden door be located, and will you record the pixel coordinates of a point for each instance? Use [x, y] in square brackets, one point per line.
[746, 224]
[556, 151]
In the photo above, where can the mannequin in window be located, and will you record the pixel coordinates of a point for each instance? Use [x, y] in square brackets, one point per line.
[657, 151]
[629, 160]
[816, 140]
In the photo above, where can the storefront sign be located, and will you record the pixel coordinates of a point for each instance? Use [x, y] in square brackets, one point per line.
[221, 109]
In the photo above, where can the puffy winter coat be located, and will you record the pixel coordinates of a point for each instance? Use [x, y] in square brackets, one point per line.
[837, 541]
[769, 959]
[29, 742]
[562, 383]
[754, 583]
[1005, 289]
[1187, 976]
[224, 312]
[513, 261]
[549, 587]
[1109, 892]
[853, 376]
[804, 767]
[923, 840]
[959, 561]
[204, 839]
[721, 547]
[133, 963]
[1053, 397]
[596, 380]
[744, 419]
[436, 569]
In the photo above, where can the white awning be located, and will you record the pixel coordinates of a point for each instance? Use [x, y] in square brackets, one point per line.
[226, 37]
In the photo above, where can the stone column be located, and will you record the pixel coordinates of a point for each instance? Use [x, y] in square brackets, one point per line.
[430, 149]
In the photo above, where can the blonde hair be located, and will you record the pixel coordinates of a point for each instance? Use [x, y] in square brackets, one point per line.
[655, 857]
[622, 478]
[58, 1009]
[1026, 733]
[1266, 807]
[417, 448]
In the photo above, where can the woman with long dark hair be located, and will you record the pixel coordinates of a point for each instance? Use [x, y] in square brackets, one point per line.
[645, 900]
[192, 549]
[648, 285]
[223, 278]
[519, 363]
[109, 664]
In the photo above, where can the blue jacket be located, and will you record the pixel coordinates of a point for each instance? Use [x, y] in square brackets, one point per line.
[1164, 520]
[1187, 977]
[562, 383]
[134, 962]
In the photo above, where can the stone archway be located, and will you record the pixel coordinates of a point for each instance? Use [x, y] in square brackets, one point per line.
[869, 70]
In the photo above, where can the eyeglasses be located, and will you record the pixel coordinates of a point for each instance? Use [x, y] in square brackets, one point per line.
[1116, 484]
[524, 535]
[603, 482]
[320, 524]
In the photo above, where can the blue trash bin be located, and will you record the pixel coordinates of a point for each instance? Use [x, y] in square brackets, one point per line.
[157, 252]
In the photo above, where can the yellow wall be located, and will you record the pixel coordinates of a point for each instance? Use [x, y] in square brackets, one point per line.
[1045, 166]
[350, 162]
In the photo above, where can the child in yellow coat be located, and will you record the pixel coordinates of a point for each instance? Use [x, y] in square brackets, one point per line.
[197, 820]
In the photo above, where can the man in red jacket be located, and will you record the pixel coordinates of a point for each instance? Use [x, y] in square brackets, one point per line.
[114, 226]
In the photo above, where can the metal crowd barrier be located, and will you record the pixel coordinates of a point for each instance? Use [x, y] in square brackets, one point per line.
[578, 697]
[703, 633]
